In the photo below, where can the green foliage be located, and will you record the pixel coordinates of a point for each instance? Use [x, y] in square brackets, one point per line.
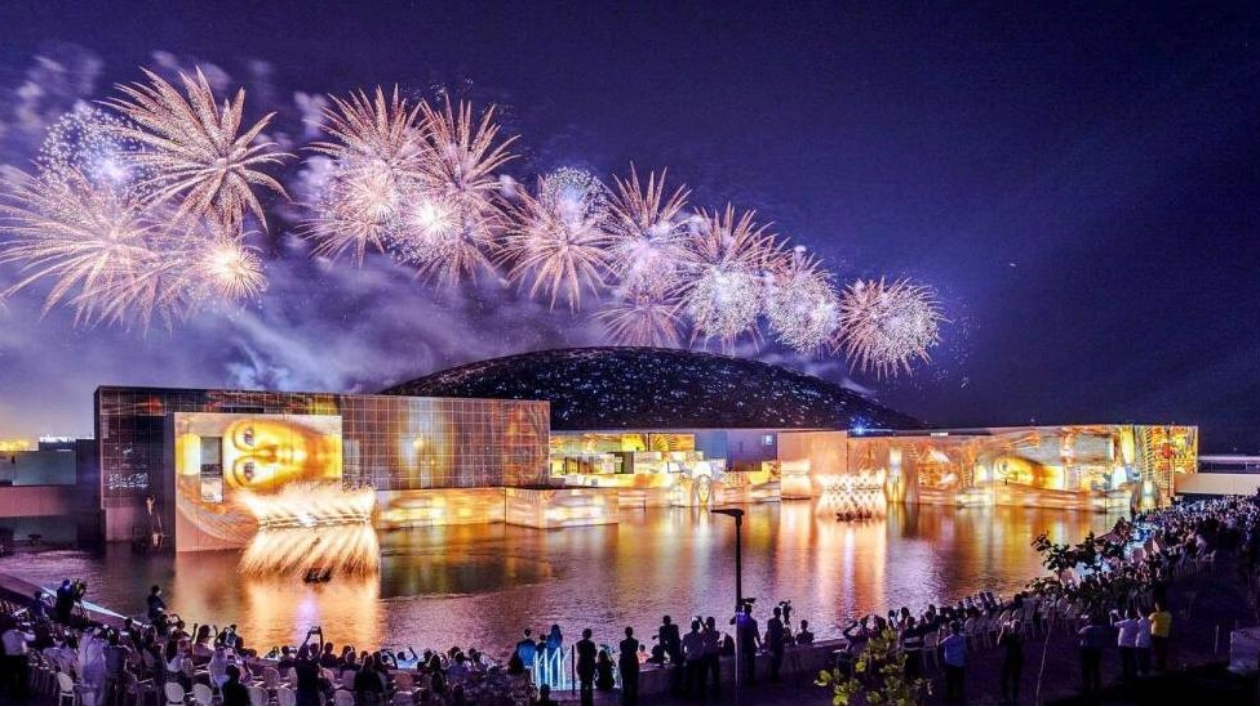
[1088, 558]
[879, 676]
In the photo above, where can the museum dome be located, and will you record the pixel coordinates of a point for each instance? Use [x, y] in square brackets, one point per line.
[612, 388]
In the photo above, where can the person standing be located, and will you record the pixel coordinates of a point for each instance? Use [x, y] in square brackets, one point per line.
[628, 662]
[1126, 640]
[1012, 645]
[694, 654]
[1144, 646]
[586, 654]
[776, 641]
[64, 605]
[1091, 644]
[1161, 630]
[748, 640]
[526, 649]
[553, 645]
[712, 655]
[954, 658]
[16, 661]
[671, 642]
[116, 657]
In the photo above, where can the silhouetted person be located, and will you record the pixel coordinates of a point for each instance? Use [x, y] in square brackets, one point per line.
[1012, 645]
[586, 659]
[748, 640]
[234, 693]
[605, 676]
[776, 641]
[1092, 638]
[671, 642]
[628, 662]
[713, 654]
[694, 657]
[157, 607]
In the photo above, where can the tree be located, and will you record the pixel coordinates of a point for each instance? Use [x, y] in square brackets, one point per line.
[878, 677]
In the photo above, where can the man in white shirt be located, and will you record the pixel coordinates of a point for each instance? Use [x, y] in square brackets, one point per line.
[1143, 644]
[1126, 639]
[16, 662]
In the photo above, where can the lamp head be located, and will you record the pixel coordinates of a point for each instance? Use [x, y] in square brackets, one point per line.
[735, 513]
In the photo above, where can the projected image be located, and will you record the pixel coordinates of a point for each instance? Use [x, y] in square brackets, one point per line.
[229, 466]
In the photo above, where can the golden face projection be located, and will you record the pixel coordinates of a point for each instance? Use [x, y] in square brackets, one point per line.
[222, 458]
[265, 453]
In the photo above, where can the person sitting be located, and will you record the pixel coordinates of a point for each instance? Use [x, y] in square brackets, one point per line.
[218, 666]
[157, 606]
[604, 672]
[368, 686]
[328, 659]
[516, 666]
[234, 692]
[804, 637]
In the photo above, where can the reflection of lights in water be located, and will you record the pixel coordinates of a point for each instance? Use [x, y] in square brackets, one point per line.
[347, 549]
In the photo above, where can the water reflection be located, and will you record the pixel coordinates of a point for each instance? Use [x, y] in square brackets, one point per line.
[480, 585]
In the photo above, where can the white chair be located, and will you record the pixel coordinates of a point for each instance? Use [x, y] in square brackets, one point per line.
[343, 697]
[271, 678]
[258, 696]
[202, 694]
[65, 690]
[174, 693]
[285, 696]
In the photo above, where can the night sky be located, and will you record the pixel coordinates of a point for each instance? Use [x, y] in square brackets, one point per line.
[1080, 184]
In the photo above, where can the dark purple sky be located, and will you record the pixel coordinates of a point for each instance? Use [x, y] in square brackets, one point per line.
[1079, 182]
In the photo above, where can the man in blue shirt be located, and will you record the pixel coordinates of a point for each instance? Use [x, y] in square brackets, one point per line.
[954, 657]
[526, 648]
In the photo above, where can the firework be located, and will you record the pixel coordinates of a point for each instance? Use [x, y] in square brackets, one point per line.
[801, 307]
[357, 210]
[643, 316]
[646, 231]
[194, 151]
[83, 145]
[461, 158]
[416, 182]
[727, 256]
[228, 270]
[557, 239]
[373, 129]
[93, 244]
[376, 149]
[883, 327]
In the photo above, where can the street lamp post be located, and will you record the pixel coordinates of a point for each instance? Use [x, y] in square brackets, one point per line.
[738, 515]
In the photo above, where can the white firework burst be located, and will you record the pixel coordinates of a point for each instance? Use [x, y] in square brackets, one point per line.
[194, 152]
[726, 257]
[643, 316]
[646, 229]
[557, 241]
[886, 326]
[802, 307]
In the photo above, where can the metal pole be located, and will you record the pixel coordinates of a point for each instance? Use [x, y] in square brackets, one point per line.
[739, 563]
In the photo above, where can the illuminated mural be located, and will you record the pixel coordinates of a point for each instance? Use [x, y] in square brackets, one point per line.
[1095, 467]
[183, 462]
